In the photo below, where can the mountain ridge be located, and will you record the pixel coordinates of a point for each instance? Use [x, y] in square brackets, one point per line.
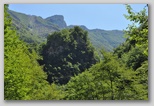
[42, 27]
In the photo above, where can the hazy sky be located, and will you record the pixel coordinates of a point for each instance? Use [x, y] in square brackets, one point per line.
[102, 16]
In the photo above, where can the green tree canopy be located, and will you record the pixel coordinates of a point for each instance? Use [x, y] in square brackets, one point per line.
[24, 79]
[137, 33]
[67, 53]
[107, 80]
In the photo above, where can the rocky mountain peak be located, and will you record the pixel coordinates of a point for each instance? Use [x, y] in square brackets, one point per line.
[57, 20]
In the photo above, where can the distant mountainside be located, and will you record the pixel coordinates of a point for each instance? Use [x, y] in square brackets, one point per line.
[104, 38]
[35, 24]
[33, 28]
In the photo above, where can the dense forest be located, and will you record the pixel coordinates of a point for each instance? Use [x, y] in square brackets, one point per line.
[67, 65]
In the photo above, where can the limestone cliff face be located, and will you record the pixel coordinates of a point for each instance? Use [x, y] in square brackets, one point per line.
[57, 20]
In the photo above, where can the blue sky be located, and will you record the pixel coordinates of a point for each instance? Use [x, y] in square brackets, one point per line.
[102, 16]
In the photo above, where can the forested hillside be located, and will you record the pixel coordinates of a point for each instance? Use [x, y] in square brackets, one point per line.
[24, 78]
[37, 30]
[67, 66]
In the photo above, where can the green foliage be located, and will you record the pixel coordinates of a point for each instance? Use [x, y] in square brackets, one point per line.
[100, 39]
[142, 73]
[67, 52]
[69, 58]
[123, 48]
[24, 79]
[107, 80]
[13, 79]
[134, 52]
[44, 91]
[139, 35]
[81, 87]
[134, 58]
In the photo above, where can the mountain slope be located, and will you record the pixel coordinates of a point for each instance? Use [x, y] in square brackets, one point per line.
[35, 24]
[107, 39]
[33, 28]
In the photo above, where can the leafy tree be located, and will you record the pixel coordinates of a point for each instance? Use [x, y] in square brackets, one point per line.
[67, 53]
[13, 78]
[123, 48]
[111, 79]
[81, 87]
[24, 79]
[134, 58]
[107, 80]
[134, 52]
[142, 77]
[138, 35]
